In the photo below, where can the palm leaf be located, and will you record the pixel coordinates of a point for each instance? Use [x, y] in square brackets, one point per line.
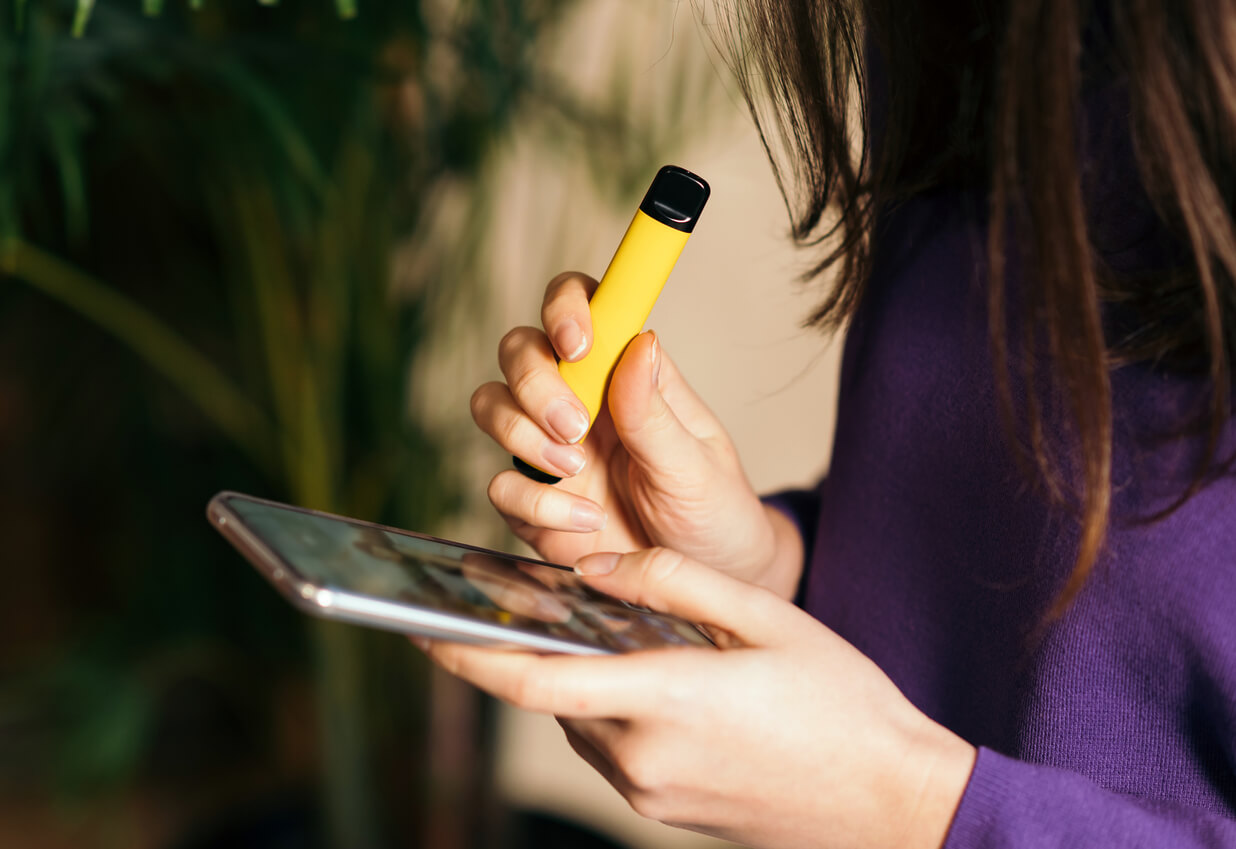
[81, 16]
[211, 391]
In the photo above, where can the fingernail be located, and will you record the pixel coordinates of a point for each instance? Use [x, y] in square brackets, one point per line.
[567, 420]
[656, 360]
[598, 564]
[586, 517]
[567, 458]
[570, 340]
[420, 642]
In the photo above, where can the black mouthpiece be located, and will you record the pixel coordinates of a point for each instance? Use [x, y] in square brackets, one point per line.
[676, 198]
[533, 472]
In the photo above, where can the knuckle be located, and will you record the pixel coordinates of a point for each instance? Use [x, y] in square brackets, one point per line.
[563, 282]
[506, 429]
[515, 340]
[476, 404]
[521, 381]
[515, 496]
[662, 422]
[555, 286]
[497, 486]
[650, 806]
[659, 566]
[639, 765]
[527, 691]
[445, 658]
[647, 805]
[542, 503]
[500, 495]
[568, 293]
[482, 400]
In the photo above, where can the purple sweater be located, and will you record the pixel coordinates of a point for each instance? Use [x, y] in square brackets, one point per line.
[931, 552]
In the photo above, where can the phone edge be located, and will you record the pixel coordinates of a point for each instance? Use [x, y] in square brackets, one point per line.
[353, 608]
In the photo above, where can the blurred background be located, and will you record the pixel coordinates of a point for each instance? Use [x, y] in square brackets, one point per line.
[271, 248]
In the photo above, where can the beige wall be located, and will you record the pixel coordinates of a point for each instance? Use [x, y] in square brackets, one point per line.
[729, 317]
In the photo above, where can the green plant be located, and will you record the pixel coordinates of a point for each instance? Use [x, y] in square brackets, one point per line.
[218, 190]
[225, 211]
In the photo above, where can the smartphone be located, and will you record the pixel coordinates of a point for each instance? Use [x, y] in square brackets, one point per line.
[366, 574]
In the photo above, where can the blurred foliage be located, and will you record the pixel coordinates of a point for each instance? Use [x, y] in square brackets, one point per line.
[198, 206]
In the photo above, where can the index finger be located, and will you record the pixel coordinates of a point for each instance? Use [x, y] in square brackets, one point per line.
[565, 314]
[671, 582]
[573, 687]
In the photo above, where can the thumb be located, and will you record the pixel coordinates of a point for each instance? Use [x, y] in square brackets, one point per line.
[667, 581]
[643, 419]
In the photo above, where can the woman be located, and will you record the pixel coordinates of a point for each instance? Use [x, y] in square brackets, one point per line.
[1016, 589]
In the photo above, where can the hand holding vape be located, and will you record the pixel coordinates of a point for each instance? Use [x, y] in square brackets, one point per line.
[630, 286]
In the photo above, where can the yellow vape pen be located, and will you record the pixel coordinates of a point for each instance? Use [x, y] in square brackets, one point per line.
[631, 284]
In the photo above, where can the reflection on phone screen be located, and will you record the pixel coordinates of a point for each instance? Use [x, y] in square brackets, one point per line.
[340, 555]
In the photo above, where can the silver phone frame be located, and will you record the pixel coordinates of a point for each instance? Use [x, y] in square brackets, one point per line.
[358, 609]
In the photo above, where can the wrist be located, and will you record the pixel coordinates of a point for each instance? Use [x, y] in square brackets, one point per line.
[782, 569]
[932, 787]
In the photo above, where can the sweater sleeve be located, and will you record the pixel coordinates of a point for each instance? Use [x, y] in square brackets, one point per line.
[1010, 804]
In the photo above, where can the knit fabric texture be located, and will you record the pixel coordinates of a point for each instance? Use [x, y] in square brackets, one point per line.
[937, 555]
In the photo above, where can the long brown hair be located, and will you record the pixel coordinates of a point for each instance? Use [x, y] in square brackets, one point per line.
[993, 87]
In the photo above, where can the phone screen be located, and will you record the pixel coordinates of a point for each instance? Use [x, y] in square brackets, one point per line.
[360, 559]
